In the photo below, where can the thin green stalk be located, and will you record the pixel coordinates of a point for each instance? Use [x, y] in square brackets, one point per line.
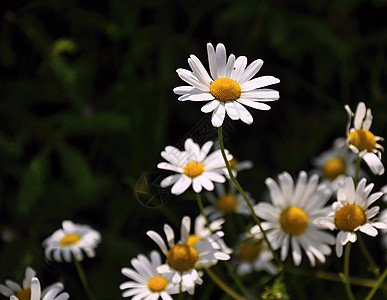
[329, 276]
[375, 268]
[377, 285]
[223, 286]
[240, 189]
[229, 268]
[346, 271]
[201, 207]
[358, 160]
[83, 279]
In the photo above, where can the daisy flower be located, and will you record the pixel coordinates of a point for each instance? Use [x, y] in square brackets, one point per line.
[30, 289]
[253, 255]
[240, 165]
[72, 240]
[146, 283]
[182, 259]
[194, 166]
[290, 218]
[362, 141]
[335, 164]
[229, 88]
[350, 213]
[226, 202]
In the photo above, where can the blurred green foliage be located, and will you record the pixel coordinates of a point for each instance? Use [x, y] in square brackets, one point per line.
[87, 106]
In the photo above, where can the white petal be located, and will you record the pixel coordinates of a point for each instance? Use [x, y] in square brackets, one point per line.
[170, 235]
[190, 78]
[182, 90]
[169, 180]
[296, 251]
[368, 120]
[221, 60]
[199, 70]
[262, 95]
[251, 70]
[230, 65]
[218, 115]
[200, 97]
[239, 67]
[259, 82]
[210, 106]
[359, 115]
[212, 60]
[168, 166]
[253, 104]
[181, 185]
[185, 229]
[158, 240]
[374, 163]
[35, 289]
[368, 229]
[232, 110]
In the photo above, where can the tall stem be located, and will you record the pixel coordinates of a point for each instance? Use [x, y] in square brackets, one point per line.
[358, 160]
[363, 247]
[83, 279]
[346, 271]
[223, 286]
[229, 268]
[377, 285]
[240, 189]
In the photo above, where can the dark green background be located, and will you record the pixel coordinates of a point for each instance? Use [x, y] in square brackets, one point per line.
[87, 106]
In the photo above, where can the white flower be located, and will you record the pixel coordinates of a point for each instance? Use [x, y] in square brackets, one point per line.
[226, 202]
[72, 240]
[335, 164]
[31, 289]
[146, 282]
[362, 141]
[290, 218]
[229, 87]
[194, 166]
[253, 255]
[183, 259]
[350, 213]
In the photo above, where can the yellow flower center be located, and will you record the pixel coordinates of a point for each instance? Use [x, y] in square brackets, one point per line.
[350, 216]
[69, 239]
[250, 249]
[193, 169]
[225, 89]
[227, 203]
[24, 294]
[334, 167]
[182, 257]
[192, 239]
[157, 284]
[233, 163]
[294, 220]
[362, 139]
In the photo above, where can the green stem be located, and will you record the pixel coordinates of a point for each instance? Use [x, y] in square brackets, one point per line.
[223, 286]
[346, 271]
[358, 160]
[229, 268]
[201, 207]
[240, 189]
[377, 285]
[375, 268]
[358, 281]
[83, 279]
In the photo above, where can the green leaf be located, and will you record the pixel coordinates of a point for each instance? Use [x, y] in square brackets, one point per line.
[76, 168]
[33, 184]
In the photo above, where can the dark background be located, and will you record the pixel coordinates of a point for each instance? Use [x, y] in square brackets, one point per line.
[87, 106]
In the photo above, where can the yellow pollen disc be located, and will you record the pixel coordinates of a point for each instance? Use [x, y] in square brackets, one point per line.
[294, 220]
[69, 239]
[249, 250]
[157, 284]
[334, 167]
[233, 163]
[24, 294]
[350, 216]
[227, 204]
[225, 89]
[193, 169]
[192, 239]
[362, 139]
[182, 257]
